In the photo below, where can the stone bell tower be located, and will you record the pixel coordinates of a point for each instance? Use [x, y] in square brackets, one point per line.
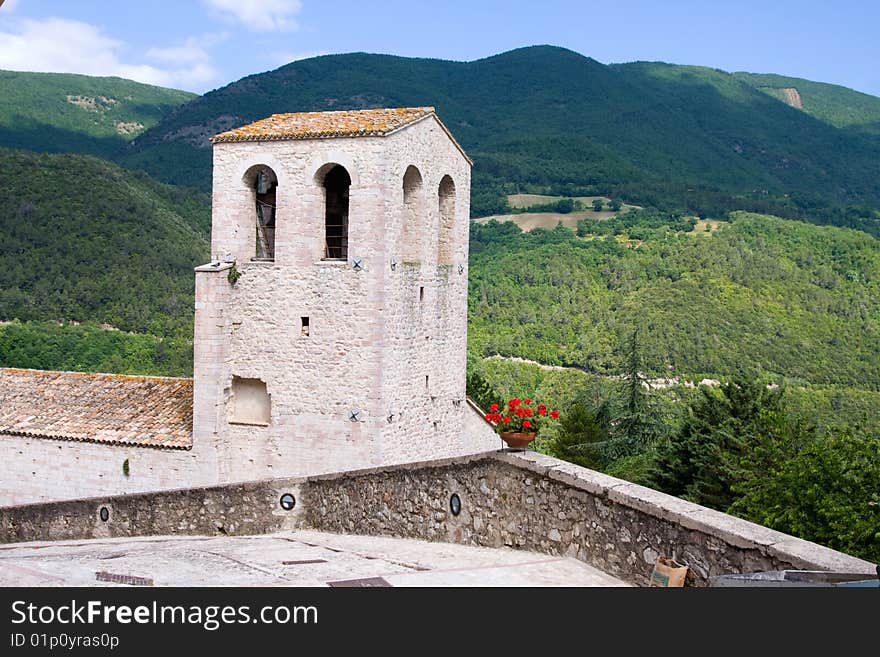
[331, 324]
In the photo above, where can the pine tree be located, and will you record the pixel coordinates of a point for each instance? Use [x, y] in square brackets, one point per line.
[582, 432]
[716, 446]
[479, 390]
[636, 425]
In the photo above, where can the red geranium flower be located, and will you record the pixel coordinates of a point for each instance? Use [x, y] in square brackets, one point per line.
[518, 414]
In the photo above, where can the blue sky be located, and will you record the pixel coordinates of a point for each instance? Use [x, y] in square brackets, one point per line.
[203, 44]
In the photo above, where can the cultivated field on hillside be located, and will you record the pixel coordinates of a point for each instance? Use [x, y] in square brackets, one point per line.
[528, 221]
[528, 200]
[704, 226]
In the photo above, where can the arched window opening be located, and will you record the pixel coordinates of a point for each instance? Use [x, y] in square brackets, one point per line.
[445, 245]
[336, 186]
[264, 182]
[411, 238]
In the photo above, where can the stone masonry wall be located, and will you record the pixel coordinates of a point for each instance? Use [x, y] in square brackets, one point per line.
[425, 305]
[39, 469]
[35, 470]
[387, 341]
[210, 353]
[249, 508]
[534, 502]
[313, 381]
[519, 500]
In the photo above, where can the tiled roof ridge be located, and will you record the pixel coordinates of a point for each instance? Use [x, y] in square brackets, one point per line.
[112, 375]
[425, 109]
[376, 122]
[79, 439]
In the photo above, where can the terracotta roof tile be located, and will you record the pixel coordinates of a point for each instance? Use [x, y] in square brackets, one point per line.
[322, 125]
[144, 411]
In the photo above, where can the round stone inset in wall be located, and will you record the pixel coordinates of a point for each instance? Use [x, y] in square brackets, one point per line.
[104, 513]
[287, 501]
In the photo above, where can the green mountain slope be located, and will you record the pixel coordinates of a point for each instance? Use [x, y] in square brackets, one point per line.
[92, 348]
[781, 299]
[66, 113]
[548, 119]
[82, 239]
[831, 103]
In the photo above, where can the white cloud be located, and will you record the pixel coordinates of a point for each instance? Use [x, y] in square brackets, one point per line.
[188, 53]
[65, 46]
[282, 58]
[262, 15]
[193, 55]
[192, 51]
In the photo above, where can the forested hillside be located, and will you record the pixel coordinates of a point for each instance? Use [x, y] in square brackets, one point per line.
[777, 298]
[73, 347]
[550, 120]
[66, 113]
[96, 261]
[839, 106]
[781, 317]
[82, 239]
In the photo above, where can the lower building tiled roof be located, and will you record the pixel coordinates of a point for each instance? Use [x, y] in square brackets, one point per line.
[142, 411]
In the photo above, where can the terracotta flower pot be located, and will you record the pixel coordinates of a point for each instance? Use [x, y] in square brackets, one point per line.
[518, 439]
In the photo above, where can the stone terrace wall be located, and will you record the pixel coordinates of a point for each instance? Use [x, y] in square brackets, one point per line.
[535, 502]
[243, 509]
[523, 500]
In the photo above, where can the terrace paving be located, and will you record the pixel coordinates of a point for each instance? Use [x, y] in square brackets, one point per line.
[301, 558]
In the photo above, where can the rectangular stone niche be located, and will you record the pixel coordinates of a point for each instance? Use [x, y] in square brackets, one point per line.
[250, 402]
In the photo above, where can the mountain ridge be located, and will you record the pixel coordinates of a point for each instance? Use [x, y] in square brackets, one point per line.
[840, 106]
[547, 119]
